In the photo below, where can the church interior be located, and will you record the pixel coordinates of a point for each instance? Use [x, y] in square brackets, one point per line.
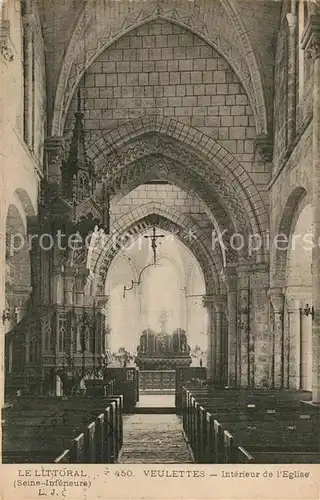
[160, 231]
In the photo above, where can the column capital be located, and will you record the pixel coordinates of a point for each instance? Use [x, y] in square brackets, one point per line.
[264, 145]
[310, 41]
[220, 303]
[102, 301]
[230, 278]
[54, 145]
[276, 297]
[29, 22]
[293, 303]
[54, 148]
[6, 47]
[207, 300]
[292, 20]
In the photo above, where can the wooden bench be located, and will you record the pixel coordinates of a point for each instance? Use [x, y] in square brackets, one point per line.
[267, 438]
[65, 408]
[267, 409]
[206, 438]
[101, 422]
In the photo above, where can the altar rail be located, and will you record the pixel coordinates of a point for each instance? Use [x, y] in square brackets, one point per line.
[157, 380]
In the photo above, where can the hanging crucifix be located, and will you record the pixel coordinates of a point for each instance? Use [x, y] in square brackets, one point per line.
[154, 238]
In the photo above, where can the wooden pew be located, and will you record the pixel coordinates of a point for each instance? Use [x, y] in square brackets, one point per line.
[66, 423]
[264, 441]
[208, 444]
[65, 408]
[64, 458]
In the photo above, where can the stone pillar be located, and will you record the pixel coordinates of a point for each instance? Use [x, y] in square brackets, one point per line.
[208, 304]
[277, 301]
[54, 156]
[311, 43]
[231, 281]
[28, 56]
[243, 326]
[220, 337]
[292, 344]
[259, 338]
[292, 54]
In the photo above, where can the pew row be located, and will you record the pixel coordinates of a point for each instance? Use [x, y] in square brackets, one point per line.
[67, 430]
[225, 426]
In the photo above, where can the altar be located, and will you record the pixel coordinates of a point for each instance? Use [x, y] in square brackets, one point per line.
[158, 356]
[162, 351]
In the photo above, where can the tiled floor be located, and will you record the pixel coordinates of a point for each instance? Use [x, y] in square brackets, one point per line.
[156, 439]
[150, 401]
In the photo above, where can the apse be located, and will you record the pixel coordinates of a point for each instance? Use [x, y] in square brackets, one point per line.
[161, 298]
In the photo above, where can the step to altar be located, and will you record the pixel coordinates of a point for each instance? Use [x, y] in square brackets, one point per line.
[153, 410]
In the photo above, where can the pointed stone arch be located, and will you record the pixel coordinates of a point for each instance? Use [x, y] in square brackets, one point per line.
[238, 203]
[219, 26]
[130, 225]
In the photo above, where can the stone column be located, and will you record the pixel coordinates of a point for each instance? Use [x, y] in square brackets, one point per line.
[311, 43]
[292, 54]
[208, 304]
[28, 55]
[277, 301]
[243, 325]
[231, 282]
[54, 156]
[259, 338]
[220, 336]
[292, 344]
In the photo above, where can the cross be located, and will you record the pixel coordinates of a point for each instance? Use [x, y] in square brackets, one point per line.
[154, 242]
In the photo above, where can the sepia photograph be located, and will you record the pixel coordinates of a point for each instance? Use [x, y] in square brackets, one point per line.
[159, 243]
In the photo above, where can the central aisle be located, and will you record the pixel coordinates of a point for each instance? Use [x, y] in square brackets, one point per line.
[156, 439]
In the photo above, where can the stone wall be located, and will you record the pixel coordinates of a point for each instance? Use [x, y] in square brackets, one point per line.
[280, 99]
[162, 69]
[167, 194]
[171, 197]
[19, 165]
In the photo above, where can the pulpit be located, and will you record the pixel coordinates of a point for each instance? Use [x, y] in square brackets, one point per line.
[158, 357]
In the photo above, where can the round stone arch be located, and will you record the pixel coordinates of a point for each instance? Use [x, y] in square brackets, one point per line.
[18, 277]
[188, 146]
[21, 200]
[143, 218]
[296, 201]
[224, 27]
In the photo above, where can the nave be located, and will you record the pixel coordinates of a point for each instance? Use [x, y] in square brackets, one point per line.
[155, 439]
[159, 205]
[206, 424]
